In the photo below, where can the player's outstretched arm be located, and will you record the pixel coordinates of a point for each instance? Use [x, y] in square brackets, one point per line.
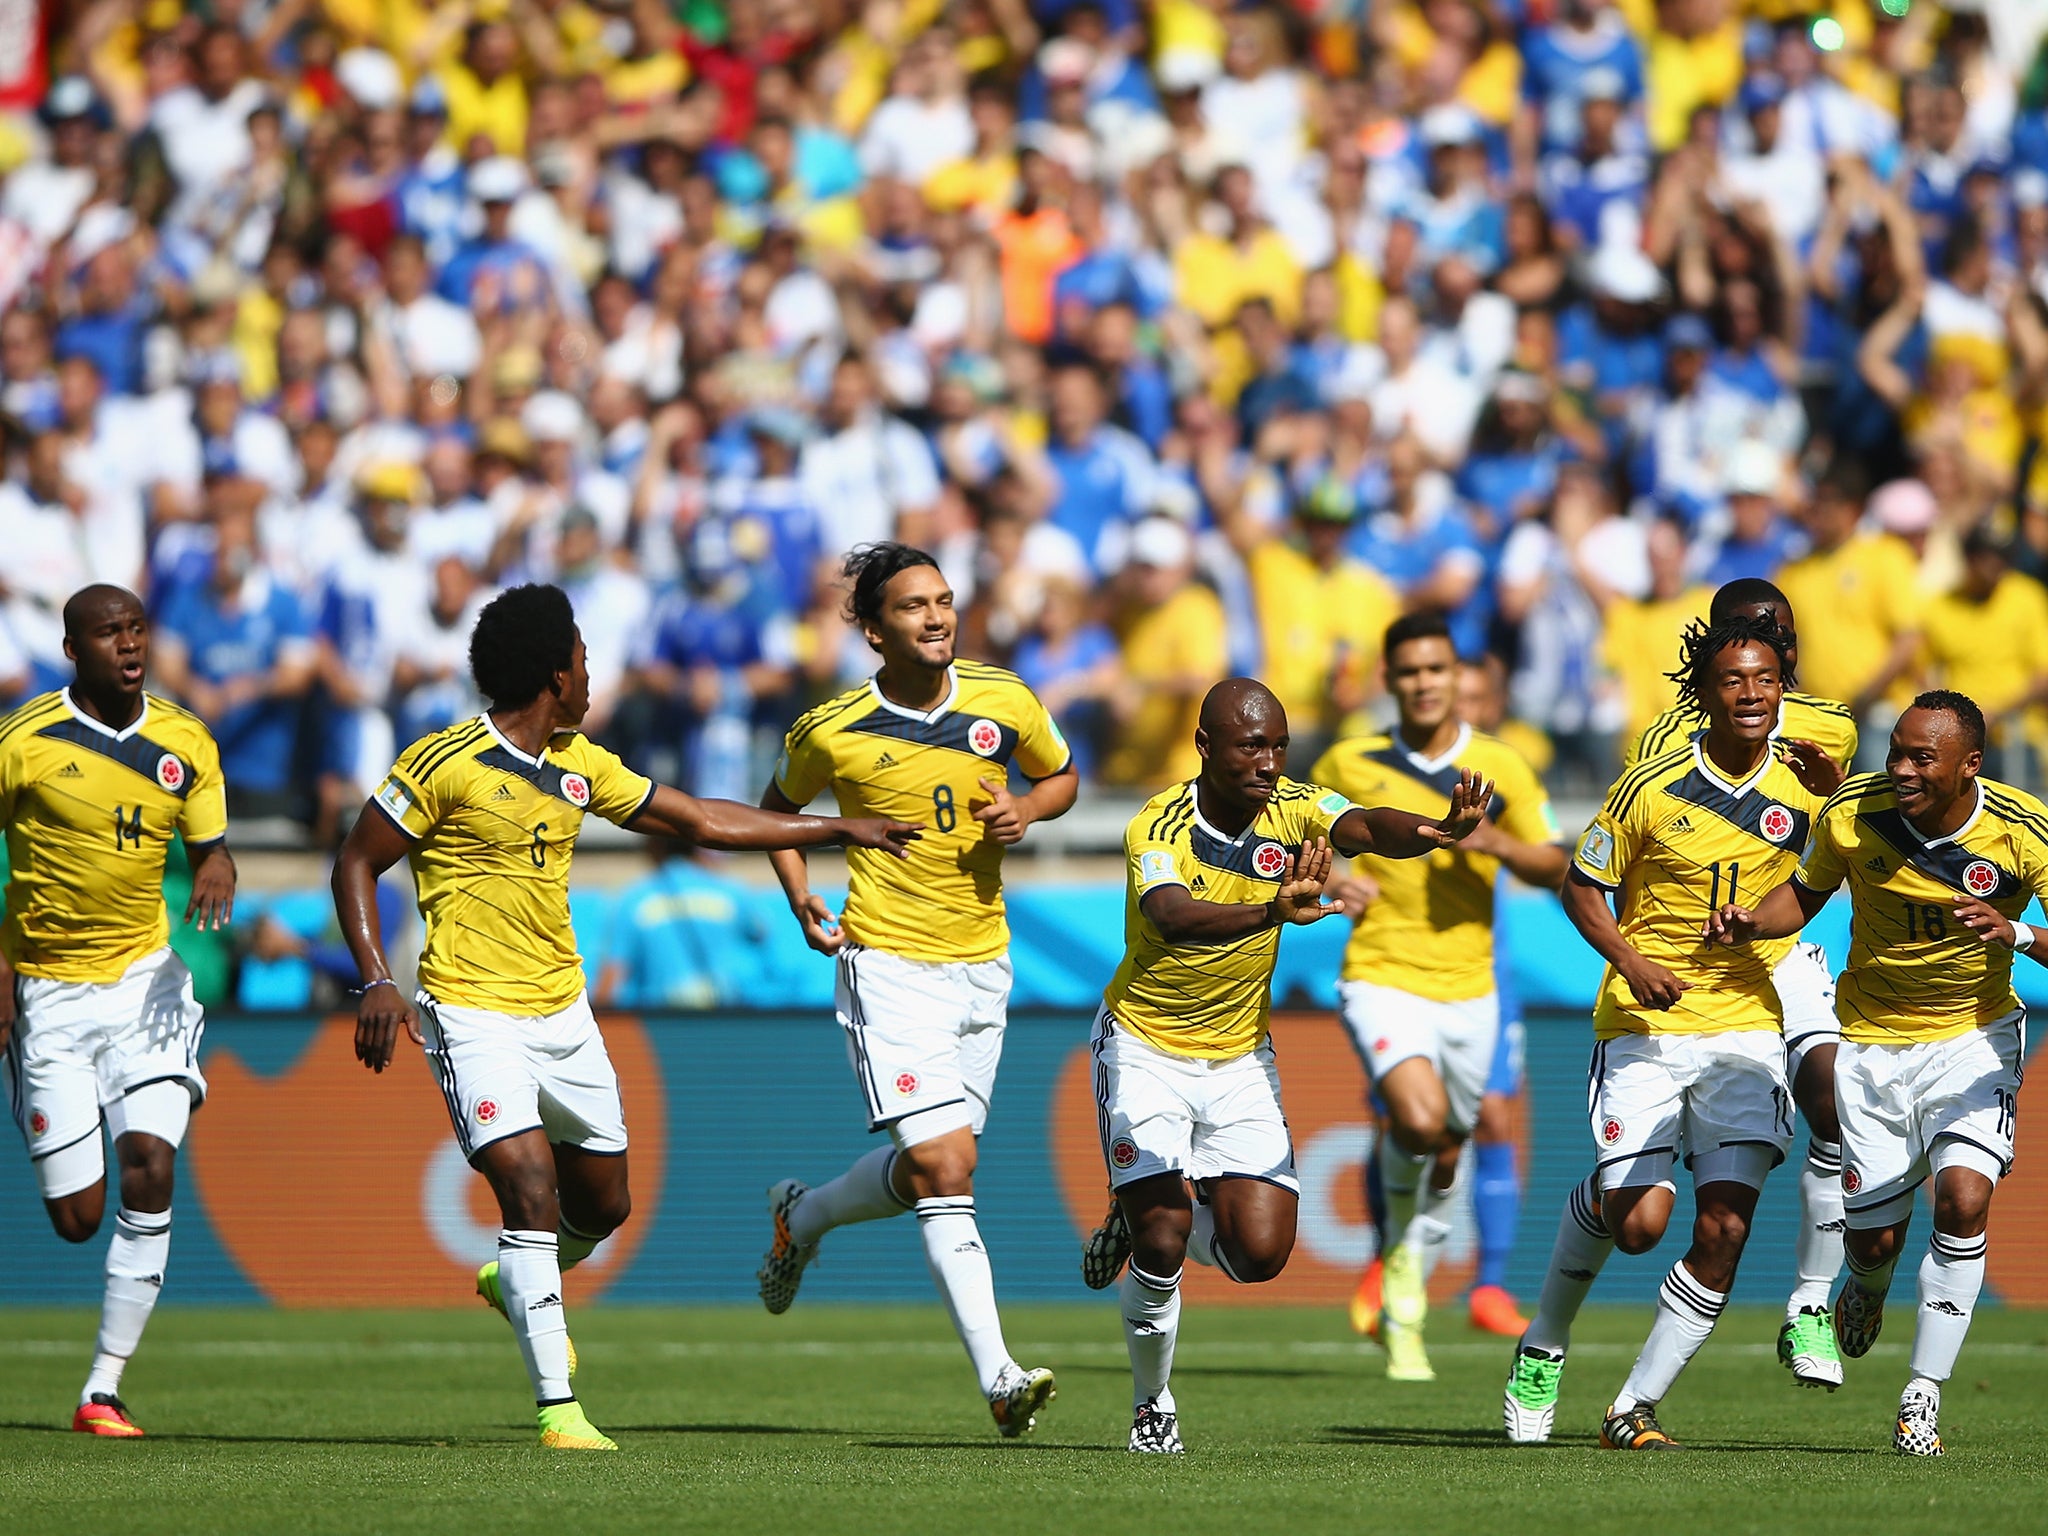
[1404, 835]
[1184, 918]
[1780, 914]
[1586, 904]
[213, 886]
[729, 824]
[1006, 816]
[812, 912]
[374, 845]
[1994, 927]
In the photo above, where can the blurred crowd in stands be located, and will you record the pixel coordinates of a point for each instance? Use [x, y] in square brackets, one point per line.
[1193, 336]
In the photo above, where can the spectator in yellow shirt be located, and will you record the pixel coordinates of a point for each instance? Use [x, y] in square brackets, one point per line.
[1693, 59]
[1989, 639]
[1215, 274]
[1641, 635]
[1171, 629]
[1865, 586]
[486, 96]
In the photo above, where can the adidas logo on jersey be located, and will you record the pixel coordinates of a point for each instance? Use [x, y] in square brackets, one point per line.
[1200, 884]
[71, 771]
[885, 761]
[1876, 865]
[1682, 827]
[504, 793]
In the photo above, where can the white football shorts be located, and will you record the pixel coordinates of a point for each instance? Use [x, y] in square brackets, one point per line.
[924, 1038]
[1203, 1118]
[1719, 1101]
[1911, 1110]
[84, 1050]
[1388, 1026]
[502, 1074]
[1806, 989]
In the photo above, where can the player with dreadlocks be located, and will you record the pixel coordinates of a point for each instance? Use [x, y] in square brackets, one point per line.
[1689, 1059]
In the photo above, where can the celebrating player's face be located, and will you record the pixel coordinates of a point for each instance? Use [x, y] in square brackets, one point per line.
[1244, 756]
[1931, 763]
[917, 623]
[576, 697]
[1745, 692]
[1423, 677]
[1779, 614]
[112, 648]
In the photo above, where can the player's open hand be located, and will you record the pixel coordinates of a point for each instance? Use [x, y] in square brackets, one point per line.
[213, 892]
[1653, 985]
[880, 832]
[379, 1016]
[1004, 817]
[820, 924]
[1301, 892]
[1729, 925]
[1811, 765]
[1986, 921]
[1469, 801]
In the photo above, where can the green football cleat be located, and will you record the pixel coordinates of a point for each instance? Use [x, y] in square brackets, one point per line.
[1404, 1302]
[1407, 1360]
[563, 1427]
[1529, 1406]
[1806, 1347]
[487, 1287]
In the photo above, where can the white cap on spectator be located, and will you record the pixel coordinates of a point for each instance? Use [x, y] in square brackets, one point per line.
[1625, 273]
[2029, 187]
[372, 77]
[1754, 469]
[1140, 138]
[499, 179]
[552, 417]
[1443, 126]
[1903, 507]
[1185, 69]
[1162, 542]
[70, 96]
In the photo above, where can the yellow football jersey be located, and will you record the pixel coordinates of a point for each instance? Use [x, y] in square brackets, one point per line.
[492, 833]
[1678, 840]
[1801, 716]
[90, 813]
[1209, 1000]
[1431, 931]
[1914, 972]
[945, 902]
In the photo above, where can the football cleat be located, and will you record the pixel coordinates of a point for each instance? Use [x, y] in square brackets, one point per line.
[782, 1271]
[1529, 1406]
[1806, 1347]
[1365, 1301]
[1155, 1431]
[1016, 1398]
[1404, 1306]
[1858, 1319]
[488, 1288]
[563, 1427]
[1917, 1434]
[1107, 1250]
[1407, 1360]
[1635, 1429]
[1493, 1310]
[106, 1415]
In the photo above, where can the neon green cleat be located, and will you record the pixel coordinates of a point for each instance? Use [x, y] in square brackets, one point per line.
[1806, 1347]
[487, 1287]
[1404, 1302]
[1407, 1360]
[563, 1427]
[1530, 1404]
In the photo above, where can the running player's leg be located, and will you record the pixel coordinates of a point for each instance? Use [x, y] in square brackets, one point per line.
[596, 1199]
[585, 1121]
[1806, 1341]
[1159, 1216]
[1241, 1162]
[1497, 1188]
[1883, 1165]
[521, 1171]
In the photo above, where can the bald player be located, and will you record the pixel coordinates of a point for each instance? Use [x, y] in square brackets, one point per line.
[96, 1014]
[1186, 1091]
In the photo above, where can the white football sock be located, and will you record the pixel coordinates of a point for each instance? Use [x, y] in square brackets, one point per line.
[1202, 1245]
[862, 1193]
[1950, 1277]
[573, 1247]
[1819, 1250]
[1400, 1176]
[960, 1269]
[136, 1258]
[530, 1279]
[1576, 1258]
[1686, 1314]
[1151, 1326]
[1430, 1227]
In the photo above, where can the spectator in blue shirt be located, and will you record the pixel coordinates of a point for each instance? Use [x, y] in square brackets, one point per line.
[430, 192]
[1760, 539]
[112, 317]
[1422, 542]
[238, 649]
[1074, 666]
[1104, 473]
[1587, 35]
[1512, 470]
[683, 937]
[1611, 349]
[510, 271]
[1596, 185]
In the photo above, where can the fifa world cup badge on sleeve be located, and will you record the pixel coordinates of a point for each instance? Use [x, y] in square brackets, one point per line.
[1333, 804]
[395, 798]
[1596, 848]
[1155, 867]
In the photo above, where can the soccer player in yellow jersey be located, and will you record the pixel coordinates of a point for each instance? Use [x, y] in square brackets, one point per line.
[1940, 863]
[488, 812]
[1417, 993]
[1690, 1059]
[97, 1017]
[923, 984]
[1809, 729]
[1186, 1089]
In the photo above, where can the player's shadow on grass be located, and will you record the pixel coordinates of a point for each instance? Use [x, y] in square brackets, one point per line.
[1271, 1372]
[733, 1429]
[168, 1437]
[1458, 1437]
[1003, 1447]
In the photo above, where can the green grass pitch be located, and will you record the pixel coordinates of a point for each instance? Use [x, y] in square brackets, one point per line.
[865, 1420]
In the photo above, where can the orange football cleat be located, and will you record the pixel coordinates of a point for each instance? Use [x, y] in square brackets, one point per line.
[105, 1415]
[1365, 1301]
[1493, 1310]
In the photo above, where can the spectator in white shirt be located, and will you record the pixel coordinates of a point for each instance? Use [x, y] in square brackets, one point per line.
[924, 124]
[46, 195]
[872, 477]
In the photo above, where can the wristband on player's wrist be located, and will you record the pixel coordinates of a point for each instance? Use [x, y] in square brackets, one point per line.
[2022, 938]
[368, 987]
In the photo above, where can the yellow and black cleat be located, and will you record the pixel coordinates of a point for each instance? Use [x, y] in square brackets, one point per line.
[1636, 1429]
